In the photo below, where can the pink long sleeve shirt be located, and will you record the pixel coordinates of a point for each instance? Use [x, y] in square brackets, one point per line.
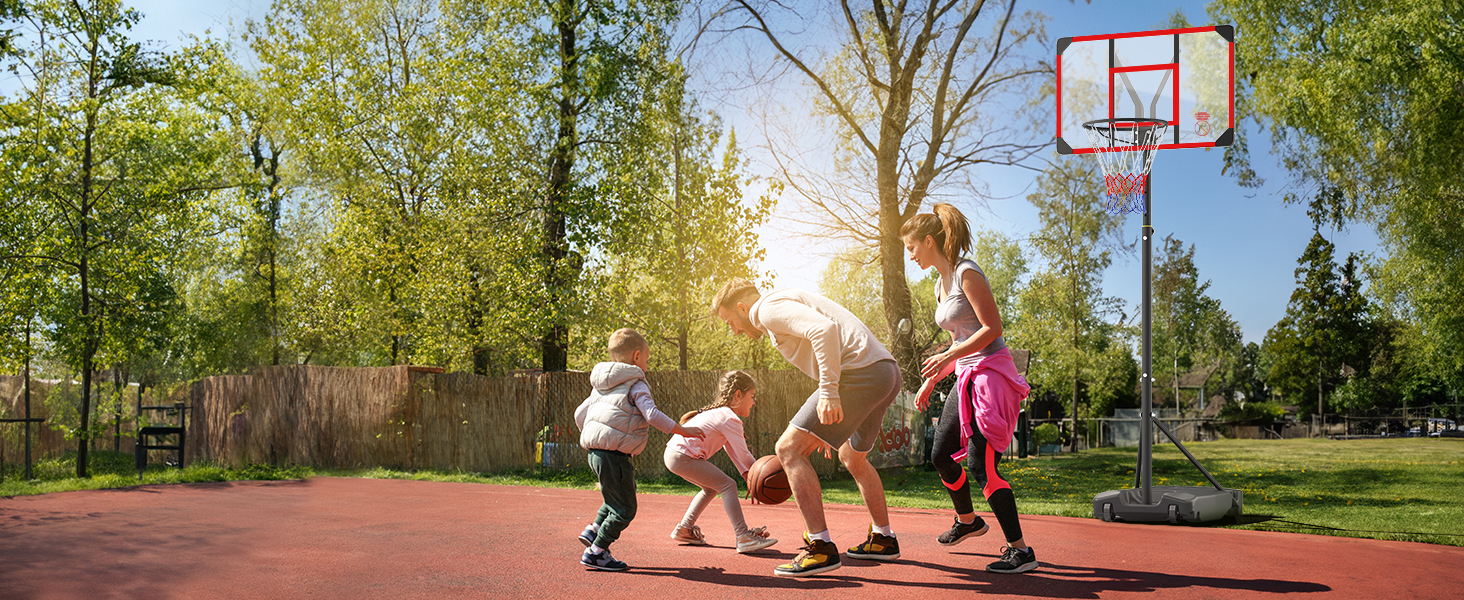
[722, 429]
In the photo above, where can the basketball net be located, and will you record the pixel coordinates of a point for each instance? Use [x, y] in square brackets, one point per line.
[1125, 149]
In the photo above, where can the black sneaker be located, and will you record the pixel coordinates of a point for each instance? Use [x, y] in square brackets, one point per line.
[587, 537]
[817, 556]
[877, 546]
[602, 561]
[1014, 561]
[960, 532]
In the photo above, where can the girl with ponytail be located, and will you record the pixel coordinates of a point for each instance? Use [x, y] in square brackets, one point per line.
[721, 424]
[978, 421]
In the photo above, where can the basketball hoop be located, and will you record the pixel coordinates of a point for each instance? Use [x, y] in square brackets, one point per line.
[1125, 148]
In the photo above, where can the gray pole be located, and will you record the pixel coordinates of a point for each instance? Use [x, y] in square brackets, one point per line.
[1146, 376]
[27, 400]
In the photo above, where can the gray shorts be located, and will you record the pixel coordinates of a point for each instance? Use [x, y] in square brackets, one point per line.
[864, 394]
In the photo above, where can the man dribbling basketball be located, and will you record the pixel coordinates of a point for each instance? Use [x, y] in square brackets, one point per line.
[857, 380]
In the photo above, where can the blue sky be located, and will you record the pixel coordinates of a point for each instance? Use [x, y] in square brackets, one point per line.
[1246, 240]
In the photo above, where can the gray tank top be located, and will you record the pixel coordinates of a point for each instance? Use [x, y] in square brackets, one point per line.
[955, 314]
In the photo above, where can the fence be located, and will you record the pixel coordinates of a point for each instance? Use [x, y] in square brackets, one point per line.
[418, 418]
[47, 442]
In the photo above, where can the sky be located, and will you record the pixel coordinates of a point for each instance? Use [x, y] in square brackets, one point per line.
[1246, 240]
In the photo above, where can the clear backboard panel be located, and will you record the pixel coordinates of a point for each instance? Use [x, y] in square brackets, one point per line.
[1183, 76]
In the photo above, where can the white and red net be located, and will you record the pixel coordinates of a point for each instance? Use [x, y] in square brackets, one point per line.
[1125, 149]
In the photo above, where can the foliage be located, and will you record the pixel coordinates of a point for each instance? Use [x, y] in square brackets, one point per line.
[1190, 330]
[691, 234]
[1325, 331]
[105, 162]
[1362, 100]
[1262, 412]
[1046, 433]
[1061, 315]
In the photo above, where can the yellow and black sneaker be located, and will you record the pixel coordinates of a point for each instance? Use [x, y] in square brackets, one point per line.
[817, 557]
[878, 547]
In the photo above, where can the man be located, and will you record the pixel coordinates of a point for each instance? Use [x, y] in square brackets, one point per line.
[857, 380]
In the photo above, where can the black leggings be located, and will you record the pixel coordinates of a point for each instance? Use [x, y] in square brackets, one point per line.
[984, 463]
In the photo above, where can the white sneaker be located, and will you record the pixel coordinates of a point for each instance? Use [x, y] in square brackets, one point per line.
[689, 535]
[754, 540]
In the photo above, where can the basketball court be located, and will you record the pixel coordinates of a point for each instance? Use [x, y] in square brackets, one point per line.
[363, 538]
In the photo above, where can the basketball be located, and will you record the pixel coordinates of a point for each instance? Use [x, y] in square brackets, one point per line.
[766, 481]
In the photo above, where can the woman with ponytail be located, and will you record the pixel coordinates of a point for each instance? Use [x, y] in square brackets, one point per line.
[721, 423]
[980, 417]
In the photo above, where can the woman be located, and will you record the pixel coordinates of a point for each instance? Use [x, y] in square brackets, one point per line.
[988, 392]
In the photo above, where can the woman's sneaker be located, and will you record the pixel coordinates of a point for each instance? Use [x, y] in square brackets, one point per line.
[960, 532]
[817, 556]
[1014, 561]
[754, 540]
[877, 546]
[602, 560]
[689, 535]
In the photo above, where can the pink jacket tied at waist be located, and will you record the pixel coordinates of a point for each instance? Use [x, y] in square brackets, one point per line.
[995, 398]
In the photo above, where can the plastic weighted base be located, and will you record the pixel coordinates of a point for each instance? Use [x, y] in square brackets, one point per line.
[1168, 504]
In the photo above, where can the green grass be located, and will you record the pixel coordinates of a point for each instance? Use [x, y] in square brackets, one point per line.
[1396, 489]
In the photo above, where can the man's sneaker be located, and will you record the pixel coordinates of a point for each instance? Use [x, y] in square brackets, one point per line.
[689, 535]
[1014, 561]
[602, 560]
[754, 540]
[960, 532]
[817, 556]
[877, 547]
[587, 537]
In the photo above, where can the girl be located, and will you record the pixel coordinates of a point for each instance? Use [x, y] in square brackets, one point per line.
[989, 391]
[721, 423]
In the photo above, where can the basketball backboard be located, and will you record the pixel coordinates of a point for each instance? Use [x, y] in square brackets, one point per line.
[1183, 76]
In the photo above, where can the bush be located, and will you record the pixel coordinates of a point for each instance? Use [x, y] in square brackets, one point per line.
[1046, 433]
[1262, 412]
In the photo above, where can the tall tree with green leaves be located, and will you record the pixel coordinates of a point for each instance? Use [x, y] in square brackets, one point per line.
[910, 89]
[694, 233]
[110, 162]
[1362, 99]
[1325, 328]
[1190, 329]
[600, 57]
[1063, 315]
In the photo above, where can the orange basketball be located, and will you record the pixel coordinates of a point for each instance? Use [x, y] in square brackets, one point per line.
[766, 481]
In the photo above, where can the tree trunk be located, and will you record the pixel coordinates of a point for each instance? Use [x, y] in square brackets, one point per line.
[554, 343]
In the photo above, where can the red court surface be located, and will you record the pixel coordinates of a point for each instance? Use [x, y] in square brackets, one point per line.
[359, 539]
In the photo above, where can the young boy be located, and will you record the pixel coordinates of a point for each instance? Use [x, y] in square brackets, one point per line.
[613, 426]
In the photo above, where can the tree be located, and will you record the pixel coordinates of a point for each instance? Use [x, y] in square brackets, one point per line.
[1325, 327]
[1362, 101]
[1190, 328]
[1063, 315]
[689, 237]
[1001, 259]
[598, 53]
[909, 89]
[108, 163]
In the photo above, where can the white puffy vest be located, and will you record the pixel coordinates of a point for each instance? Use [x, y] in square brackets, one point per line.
[608, 419]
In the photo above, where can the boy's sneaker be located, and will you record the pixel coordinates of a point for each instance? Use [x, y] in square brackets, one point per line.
[587, 537]
[1014, 561]
[602, 561]
[817, 556]
[877, 547]
[960, 532]
[689, 535]
[754, 540]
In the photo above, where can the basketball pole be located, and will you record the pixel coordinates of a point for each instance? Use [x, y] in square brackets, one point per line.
[1146, 450]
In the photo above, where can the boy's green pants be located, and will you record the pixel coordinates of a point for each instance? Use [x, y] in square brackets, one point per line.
[617, 486]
